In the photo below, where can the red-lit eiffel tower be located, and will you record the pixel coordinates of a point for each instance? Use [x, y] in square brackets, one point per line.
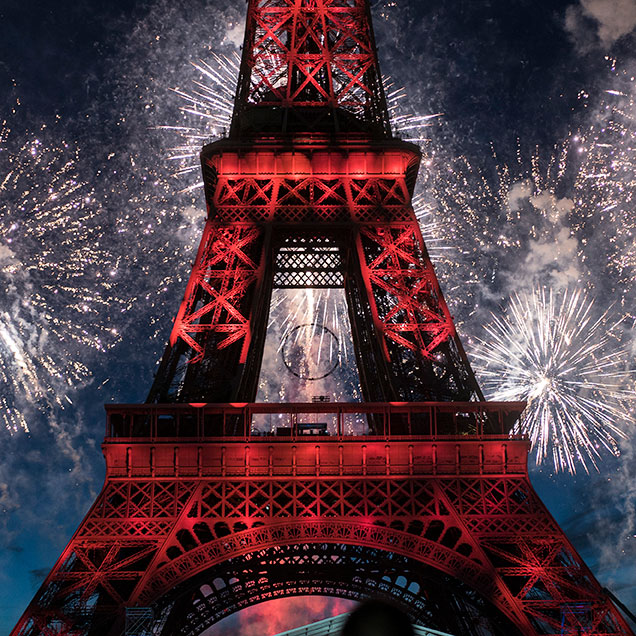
[418, 494]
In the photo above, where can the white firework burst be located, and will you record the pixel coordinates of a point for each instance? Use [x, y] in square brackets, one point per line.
[554, 351]
[206, 111]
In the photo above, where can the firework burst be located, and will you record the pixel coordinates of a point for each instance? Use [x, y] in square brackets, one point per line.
[309, 344]
[53, 273]
[556, 218]
[206, 112]
[550, 350]
[512, 226]
[606, 182]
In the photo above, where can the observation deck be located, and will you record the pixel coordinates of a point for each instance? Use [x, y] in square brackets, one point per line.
[318, 438]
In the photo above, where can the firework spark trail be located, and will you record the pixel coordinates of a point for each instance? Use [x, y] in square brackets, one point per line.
[208, 104]
[432, 232]
[53, 272]
[208, 112]
[408, 125]
[606, 183]
[554, 218]
[310, 306]
[299, 325]
[550, 350]
[513, 226]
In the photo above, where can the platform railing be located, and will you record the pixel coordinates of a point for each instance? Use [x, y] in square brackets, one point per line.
[299, 421]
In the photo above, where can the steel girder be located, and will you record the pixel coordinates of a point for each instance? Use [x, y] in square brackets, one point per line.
[309, 65]
[148, 540]
[263, 199]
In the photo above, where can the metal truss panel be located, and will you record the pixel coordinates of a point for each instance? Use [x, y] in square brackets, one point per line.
[226, 266]
[148, 540]
[313, 65]
[310, 261]
[351, 572]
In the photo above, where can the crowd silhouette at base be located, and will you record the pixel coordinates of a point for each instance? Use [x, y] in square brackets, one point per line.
[377, 618]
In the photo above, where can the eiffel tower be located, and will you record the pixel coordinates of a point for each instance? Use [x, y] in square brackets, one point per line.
[418, 494]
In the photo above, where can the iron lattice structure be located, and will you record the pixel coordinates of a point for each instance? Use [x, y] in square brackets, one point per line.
[418, 495]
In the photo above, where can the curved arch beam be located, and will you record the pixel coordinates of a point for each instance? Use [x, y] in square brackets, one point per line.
[425, 594]
[469, 571]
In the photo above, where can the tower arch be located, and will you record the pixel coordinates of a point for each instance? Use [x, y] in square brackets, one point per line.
[427, 595]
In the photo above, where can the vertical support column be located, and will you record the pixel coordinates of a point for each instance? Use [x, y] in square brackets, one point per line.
[410, 314]
[219, 331]
[372, 355]
[258, 319]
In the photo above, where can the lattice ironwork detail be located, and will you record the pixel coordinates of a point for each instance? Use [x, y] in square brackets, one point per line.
[489, 532]
[391, 285]
[308, 261]
[396, 267]
[226, 266]
[309, 59]
[140, 621]
[316, 198]
[428, 596]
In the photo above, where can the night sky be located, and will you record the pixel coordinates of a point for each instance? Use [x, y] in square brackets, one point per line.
[97, 231]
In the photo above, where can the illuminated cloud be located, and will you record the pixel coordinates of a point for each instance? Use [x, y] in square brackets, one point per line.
[601, 22]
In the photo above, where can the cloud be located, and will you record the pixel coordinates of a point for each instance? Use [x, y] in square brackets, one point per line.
[191, 227]
[551, 252]
[15, 548]
[278, 615]
[519, 192]
[7, 501]
[599, 22]
[39, 574]
[6, 253]
[553, 261]
[235, 34]
[555, 209]
[192, 215]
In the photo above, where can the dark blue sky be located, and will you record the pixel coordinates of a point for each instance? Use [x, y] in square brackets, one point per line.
[504, 63]
[99, 75]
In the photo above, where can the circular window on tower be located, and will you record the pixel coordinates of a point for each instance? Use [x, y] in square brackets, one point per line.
[310, 351]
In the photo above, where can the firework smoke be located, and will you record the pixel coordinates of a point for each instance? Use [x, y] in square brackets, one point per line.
[309, 349]
[605, 185]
